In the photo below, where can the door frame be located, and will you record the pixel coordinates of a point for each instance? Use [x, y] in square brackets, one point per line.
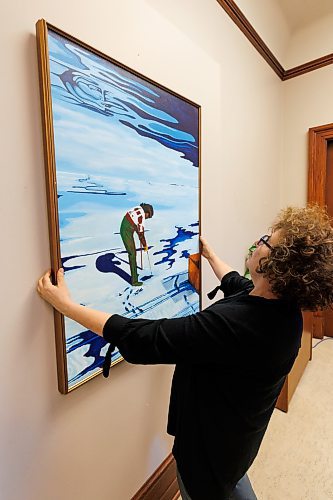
[318, 138]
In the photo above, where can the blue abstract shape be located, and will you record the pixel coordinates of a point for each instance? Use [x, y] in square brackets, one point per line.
[182, 235]
[57, 45]
[167, 258]
[145, 278]
[113, 91]
[185, 254]
[189, 151]
[95, 343]
[169, 249]
[69, 268]
[108, 263]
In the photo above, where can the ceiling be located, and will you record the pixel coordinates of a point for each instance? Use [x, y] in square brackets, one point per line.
[300, 13]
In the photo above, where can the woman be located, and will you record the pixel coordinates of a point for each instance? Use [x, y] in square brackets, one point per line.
[231, 358]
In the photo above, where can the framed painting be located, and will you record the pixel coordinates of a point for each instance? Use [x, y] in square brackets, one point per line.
[122, 163]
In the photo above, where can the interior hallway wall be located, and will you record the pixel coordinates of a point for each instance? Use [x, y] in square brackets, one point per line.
[308, 102]
[310, 42]
[105, 439]
[269, 21]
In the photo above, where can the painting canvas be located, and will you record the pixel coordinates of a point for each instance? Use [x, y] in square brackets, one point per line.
[122, 162]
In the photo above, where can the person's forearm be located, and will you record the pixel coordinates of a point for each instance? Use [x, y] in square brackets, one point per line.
[142, 239]
[89, 318]
[219, 267]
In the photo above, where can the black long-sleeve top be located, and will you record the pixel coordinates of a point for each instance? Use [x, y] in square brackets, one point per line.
[231, 362]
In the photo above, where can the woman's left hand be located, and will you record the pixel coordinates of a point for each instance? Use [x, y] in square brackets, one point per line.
[205, 249]
[56, 295]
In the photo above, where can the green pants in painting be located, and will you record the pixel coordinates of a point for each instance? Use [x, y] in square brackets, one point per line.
[127, 235]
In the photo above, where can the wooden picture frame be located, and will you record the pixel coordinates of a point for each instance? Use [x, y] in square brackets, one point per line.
[115, 143]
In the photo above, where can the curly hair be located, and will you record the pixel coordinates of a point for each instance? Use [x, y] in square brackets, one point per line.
[300, 266]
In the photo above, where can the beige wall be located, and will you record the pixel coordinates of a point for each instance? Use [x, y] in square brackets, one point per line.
[308, 102]
[291, 45]
[268, 19]
[310, 42]
[104, 440]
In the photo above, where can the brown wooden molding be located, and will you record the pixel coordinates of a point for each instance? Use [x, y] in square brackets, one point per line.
[304, 355]
[51, 181]
[246, 27]
[318, 137]
[162, 484]
[308, 66]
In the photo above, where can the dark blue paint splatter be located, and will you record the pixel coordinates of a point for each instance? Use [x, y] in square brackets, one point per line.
[69, 268]
[145, 278]
[169, 249]
[167, 258]
[182, 235]
[65, 259]
[95, 343]
[108, 263]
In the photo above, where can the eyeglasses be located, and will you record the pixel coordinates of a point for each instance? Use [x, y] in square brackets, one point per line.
[264, 241]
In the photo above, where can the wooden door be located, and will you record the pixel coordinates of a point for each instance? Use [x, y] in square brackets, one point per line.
[320, 191]
[328, 315]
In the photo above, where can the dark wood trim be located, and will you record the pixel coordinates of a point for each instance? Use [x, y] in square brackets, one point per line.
[233, 11]
[318, 137]
[303, 357]
[282, 401]
[52, 199]
[308, 66]
[246, 27]
[162, 484]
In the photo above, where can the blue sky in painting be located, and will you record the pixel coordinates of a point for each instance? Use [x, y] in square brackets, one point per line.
[120, 141]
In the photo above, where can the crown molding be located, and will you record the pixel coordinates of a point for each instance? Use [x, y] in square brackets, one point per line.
[234, 12]
[246, 27]
[308, 66]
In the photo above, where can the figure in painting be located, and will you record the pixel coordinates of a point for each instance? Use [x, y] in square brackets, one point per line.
[134, 221]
